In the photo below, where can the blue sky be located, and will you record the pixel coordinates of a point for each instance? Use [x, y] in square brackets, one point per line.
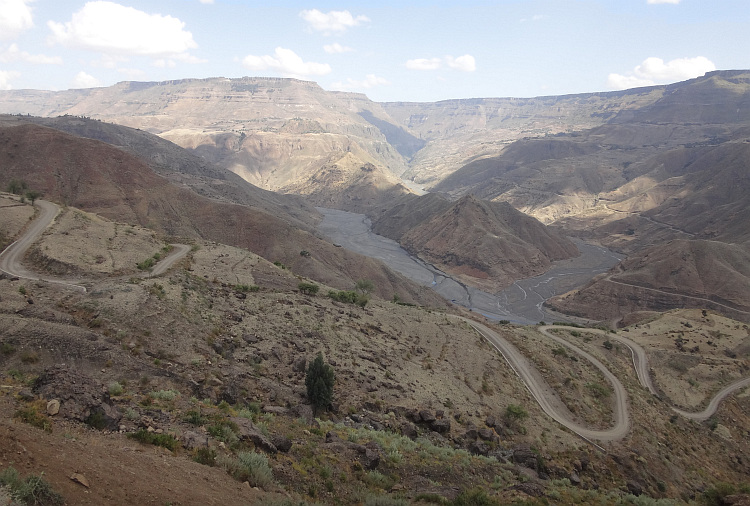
[389, 50]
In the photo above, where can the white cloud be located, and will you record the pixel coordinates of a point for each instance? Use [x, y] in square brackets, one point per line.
[336, 48]
[655, 71]
[465, 63]
[286, 62]
[206, 2]
[111, 28]
[15, 18]
[674, 2]
[6, 76]
[84, 80]
[14, 54]
[424, 64]
[370, 81]
[331, 22]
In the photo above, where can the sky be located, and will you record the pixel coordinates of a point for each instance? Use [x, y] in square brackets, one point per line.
[390, 50]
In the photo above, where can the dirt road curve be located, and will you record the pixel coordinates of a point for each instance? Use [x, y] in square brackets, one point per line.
[553, 406]
[10, 258]
[548, 399]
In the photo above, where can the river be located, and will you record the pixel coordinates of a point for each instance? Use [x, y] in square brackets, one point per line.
[519, 303]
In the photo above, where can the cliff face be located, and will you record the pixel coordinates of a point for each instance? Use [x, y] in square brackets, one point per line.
[270, 131]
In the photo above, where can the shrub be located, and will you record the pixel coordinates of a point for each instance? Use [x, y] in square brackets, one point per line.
[365, 286]
[33, 414]
[515, 412]
[474, 497]
[115, 388]
[164, 395]
[34, 490]
[7, 349]
[599, 391]
[308, 288]
[251, 467]
[205, 456]
[96, 420]
[715, 495]
[247, 288]
[164, 440]
[29, 357]
[194, 417]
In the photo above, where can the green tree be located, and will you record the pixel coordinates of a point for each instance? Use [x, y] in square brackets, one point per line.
[365, 286]
[319, 381]
[17, 186]
[32, 195]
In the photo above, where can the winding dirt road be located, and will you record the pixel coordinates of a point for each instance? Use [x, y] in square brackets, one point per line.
[10, 258]
[551, 404]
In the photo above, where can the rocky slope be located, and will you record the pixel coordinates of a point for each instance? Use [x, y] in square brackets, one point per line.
[213, 368]
[682, 273]
[483, 244]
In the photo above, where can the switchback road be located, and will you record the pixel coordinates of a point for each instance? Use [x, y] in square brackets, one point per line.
[550, 402]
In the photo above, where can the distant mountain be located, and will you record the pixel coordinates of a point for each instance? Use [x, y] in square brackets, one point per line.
[485, 244]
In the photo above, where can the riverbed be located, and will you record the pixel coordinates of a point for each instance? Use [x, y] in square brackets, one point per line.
[521, 302]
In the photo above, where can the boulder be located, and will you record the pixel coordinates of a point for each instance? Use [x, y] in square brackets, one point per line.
[479, 448]
[487, 434]
[372, 455]
[409, 430]
[281, 442]
[471, 432]
[81, 397]
[247, 431]
[192, 440]
[300, 364]
[53, 407]
[441, 426]
[426, 416]
[524, 456]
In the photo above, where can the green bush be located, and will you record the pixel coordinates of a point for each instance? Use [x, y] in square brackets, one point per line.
[474, 497]
[714, 496]
[164, 440]
[349, 297]
[34, 490]
[115, 388]
[251, 467]
[34, 414]
[308, 288]
[205, 456]
[515, 412]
